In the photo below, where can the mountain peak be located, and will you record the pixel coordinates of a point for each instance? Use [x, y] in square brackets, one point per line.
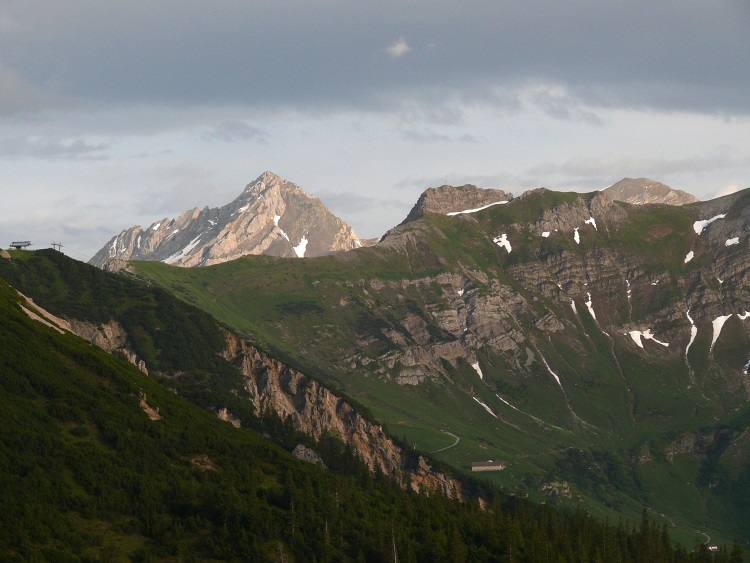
[267, 179]
[271, 216]
[638, 191]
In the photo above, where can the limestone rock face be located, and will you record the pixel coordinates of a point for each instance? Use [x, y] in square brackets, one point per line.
[271, 216]
[642, 190]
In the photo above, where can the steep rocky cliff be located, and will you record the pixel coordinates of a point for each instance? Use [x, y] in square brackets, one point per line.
[315, 410]
[271, 216]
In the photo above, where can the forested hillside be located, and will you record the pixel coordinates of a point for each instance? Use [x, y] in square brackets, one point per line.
[101, 462]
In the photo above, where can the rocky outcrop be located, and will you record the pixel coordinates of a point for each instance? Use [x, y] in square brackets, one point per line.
[43, 316]
[309, 455]
[151, 412]
[114, 265]
[455, 199]
[226, 416]
[695, 444]
[642, 190]
[110, 336]
[557, 489]
[271, 216]
[315, 410]
[423, 477]
[567, 216]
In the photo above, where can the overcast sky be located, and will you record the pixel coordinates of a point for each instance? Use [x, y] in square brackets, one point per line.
[118, 113]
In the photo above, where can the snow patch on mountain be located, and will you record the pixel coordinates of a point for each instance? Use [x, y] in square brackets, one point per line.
[576, 236]
[589, 304]
[299, 250]
[689, 256]
[453, 213]
[503, 242]
[179, 254]
[549, 369]
[698, 226]
[718, 324]
[488, 409]
[636, 335]
[591, 221]
[693, 333]
[478, 369]
[731, 241]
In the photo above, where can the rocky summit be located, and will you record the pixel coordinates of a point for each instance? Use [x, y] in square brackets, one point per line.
[271, 216]
[456, 200]
[642, 190]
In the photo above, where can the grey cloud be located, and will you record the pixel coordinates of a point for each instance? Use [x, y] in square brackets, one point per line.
[353, 203]
[692, 55]
[16, 93]
[616, 166]
[398, 48]
[428, 135]
[370, 216]
[45, 148]
[558, 103]
[233, 131]
[181, 187]
[152, 154]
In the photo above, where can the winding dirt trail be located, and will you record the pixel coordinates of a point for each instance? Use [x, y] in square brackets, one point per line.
[448, 447]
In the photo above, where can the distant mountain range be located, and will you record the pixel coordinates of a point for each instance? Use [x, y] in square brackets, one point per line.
[271, 216]
[276, 217]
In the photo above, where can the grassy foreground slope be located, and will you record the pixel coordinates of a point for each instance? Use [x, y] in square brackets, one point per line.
[100, 462]
[622, 427]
